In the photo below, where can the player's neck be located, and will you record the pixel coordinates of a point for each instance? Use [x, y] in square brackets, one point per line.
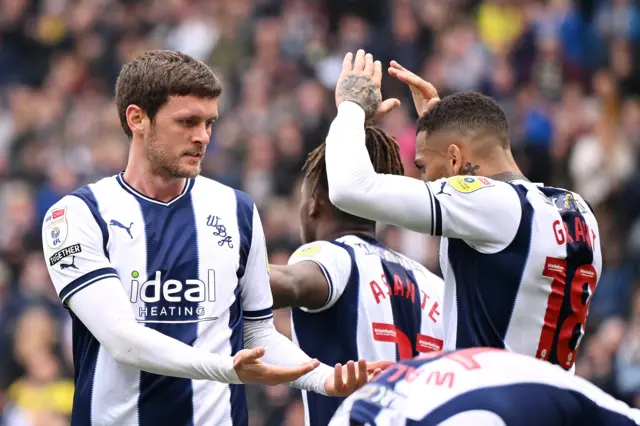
[141, 177]
[333, 231]
[499, 167]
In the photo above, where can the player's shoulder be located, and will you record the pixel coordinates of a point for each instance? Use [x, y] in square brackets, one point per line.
[82, 200]
[217, 192]
[465, 184]
[317, 250]
[565, 199]
[479, 190]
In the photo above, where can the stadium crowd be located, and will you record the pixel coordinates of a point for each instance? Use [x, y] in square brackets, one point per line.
[567, 74]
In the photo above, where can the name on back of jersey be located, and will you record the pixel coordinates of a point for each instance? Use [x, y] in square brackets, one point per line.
[381, 289]
[467, 184]
[380, 395]
[572, 228]
[389, 256]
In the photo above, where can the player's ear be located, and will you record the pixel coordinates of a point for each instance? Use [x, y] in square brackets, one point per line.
[314, 206]
[136, 118]
[454, 159]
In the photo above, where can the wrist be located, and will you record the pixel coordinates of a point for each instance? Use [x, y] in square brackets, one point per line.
[326, 380]
[220, 368]
[353, 110]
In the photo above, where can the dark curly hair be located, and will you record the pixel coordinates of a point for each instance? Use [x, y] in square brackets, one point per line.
[468, 112]
[384, 153]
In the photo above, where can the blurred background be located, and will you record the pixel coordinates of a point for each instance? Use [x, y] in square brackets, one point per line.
[566, 73]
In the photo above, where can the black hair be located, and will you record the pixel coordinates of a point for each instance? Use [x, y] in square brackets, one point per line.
[467, 112]
[384, 153]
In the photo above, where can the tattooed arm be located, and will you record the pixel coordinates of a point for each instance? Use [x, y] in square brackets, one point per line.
[360, 82]
[354, 186]
[435, 208]
[360, 90]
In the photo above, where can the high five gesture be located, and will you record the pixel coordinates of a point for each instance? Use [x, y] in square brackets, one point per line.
[360, 83]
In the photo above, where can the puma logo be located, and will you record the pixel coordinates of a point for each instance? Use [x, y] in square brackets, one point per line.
[69, 265]
[119, 225]
[444, 183]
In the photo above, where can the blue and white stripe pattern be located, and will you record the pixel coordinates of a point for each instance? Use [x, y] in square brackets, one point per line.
[193, 268]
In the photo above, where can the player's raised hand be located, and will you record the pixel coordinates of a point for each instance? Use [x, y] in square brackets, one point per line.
[352, 376]
[251, 369]
[424, 93]
[360, 82]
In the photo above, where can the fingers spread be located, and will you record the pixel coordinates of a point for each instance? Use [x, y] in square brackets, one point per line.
[429, 88]
[337, 377]
[397, 66]
[347, 63]
[377, 73]
[368, 64]
[362, 373]
[389, 105]
[359, 63]
[352, 379]
[382, 364]
[432, 102]
[407, 77]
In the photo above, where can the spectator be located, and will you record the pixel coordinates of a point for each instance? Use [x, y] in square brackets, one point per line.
[566, 74]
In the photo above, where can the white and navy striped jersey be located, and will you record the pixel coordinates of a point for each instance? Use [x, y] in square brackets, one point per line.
[520, 261]
[481, 387]
[520, 265]
[381, 306]
[193, 269]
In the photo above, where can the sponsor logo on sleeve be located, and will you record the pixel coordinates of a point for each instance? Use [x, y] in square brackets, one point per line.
[55, 227]
[65, 252]
[307, 251]
[467, 184]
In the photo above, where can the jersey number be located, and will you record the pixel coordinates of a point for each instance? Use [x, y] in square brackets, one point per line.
[383, 332]
[464, 357]
[565, 320]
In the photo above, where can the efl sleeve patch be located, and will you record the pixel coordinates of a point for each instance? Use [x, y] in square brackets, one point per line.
[56, 227]
[466, 184]
[307, 250]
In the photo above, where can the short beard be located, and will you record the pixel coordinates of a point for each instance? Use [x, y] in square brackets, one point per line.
[162, 164]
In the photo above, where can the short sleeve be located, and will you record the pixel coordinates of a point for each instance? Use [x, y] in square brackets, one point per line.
[483, 212]
[335, 263]
[74, 246]
[257, 300]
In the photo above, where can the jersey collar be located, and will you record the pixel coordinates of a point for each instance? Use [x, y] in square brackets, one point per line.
[131, 190]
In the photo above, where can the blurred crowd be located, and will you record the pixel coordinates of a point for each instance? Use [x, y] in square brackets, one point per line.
[566, 73]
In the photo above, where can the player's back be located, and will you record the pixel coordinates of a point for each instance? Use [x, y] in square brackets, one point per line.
[482, 387]
[522, 279]
[181, 265]
[381, 306]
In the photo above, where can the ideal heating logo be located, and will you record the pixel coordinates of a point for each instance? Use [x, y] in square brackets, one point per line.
[176, 301]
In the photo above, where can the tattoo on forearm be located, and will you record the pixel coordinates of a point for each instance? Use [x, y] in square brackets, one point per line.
[362, 91]
[470, 169]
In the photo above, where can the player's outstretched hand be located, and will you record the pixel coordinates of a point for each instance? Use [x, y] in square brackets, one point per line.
[360, 82]
[352, 376]
[252, 370]
[423, 93]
